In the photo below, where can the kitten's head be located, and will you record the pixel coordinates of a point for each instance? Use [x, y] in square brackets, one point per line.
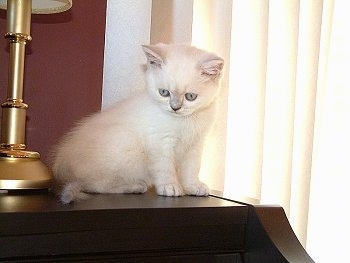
[182, 79]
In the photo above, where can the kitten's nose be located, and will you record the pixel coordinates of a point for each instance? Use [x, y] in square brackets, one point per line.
[175, 102]
[175, 108]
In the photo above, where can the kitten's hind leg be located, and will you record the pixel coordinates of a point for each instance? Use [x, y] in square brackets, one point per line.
[72, 192]
[136, 188]
[117, 186]
[122, 187]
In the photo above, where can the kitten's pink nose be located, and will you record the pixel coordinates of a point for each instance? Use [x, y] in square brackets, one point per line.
[175, 108]
[175, 102]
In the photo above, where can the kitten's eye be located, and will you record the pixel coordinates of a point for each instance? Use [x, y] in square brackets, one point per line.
[190, 96]
[164, 92]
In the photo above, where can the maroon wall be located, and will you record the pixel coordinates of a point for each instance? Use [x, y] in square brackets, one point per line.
[63, 71]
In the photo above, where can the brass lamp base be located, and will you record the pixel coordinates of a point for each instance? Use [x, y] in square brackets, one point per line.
[20, 170]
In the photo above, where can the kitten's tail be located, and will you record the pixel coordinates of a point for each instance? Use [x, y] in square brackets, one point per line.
[72, 192]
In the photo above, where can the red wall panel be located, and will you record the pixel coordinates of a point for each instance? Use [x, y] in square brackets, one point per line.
[63, 71]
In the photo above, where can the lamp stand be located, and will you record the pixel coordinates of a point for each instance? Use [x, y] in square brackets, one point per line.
[19, 168]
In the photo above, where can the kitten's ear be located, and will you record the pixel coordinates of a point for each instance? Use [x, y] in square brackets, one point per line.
[212, 66]
[154, 59]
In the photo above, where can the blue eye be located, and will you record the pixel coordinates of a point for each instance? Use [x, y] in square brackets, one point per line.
[191, 96]
[164, 92]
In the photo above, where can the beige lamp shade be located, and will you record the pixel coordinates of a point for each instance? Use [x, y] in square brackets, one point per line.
[45, 6]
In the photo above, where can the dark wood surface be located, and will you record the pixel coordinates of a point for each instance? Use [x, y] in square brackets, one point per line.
[143, 228]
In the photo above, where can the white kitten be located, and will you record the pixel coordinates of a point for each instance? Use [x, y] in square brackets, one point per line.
[153, 138]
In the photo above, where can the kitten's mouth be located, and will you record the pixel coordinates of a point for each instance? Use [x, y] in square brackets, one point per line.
[180, 113]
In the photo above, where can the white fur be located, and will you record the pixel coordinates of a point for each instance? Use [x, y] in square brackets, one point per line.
[141, 141]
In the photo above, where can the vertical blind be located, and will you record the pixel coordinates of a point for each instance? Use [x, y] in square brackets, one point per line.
[282, 136]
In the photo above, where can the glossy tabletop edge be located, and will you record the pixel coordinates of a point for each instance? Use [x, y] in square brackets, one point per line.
[47, 201]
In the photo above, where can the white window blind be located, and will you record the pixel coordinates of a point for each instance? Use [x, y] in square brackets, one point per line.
[282, 136]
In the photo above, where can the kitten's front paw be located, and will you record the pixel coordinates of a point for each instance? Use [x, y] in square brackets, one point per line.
[197, 189]
[169, 190]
